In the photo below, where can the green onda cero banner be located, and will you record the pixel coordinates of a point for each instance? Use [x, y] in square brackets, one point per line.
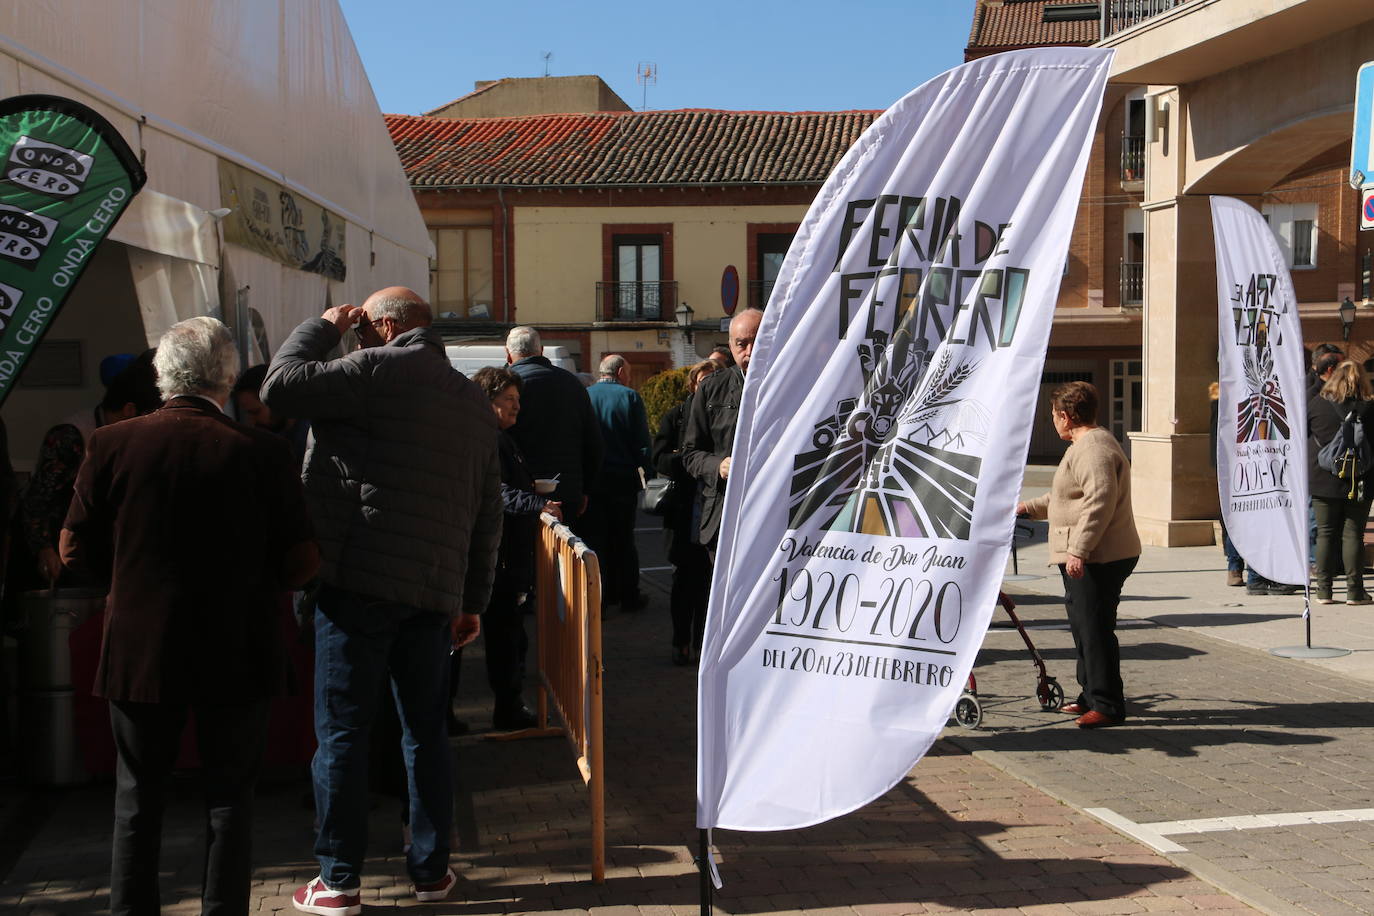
[67, 176]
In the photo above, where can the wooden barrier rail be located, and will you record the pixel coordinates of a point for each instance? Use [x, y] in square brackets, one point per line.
[568, 588]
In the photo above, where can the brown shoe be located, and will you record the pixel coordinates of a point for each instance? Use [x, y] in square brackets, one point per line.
[1073, 709]
[1094, 719]
[1234, 577]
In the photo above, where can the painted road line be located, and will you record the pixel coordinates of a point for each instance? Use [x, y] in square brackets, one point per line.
[654, 568]
[1156, 835]
[1135, 831]
[1257, 821]
[1128, 623]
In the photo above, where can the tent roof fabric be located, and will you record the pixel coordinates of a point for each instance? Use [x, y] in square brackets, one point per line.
[686, 147]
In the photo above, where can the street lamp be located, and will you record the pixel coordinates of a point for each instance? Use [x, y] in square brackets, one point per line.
[1347, 317]
[684, 319]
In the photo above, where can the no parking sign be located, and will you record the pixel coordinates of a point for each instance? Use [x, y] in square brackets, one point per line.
[1367, 208]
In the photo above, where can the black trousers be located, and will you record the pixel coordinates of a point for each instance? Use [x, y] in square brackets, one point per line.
[1092, 602]
[503, 633]
[609, 528]
[231, 738]
[506, 645]
[691, 588]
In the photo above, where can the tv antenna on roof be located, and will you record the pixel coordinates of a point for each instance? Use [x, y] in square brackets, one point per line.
[646, 74]
[548, 56]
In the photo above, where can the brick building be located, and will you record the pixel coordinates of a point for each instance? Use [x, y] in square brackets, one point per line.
[1097, 332]
[598, 227]
[1097, 327]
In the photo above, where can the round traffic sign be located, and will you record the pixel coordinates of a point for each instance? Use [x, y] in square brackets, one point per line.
[1369, 208]
[729, 289]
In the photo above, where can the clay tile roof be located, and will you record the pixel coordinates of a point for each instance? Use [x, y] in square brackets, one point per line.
[687, 147]
[1020, 24]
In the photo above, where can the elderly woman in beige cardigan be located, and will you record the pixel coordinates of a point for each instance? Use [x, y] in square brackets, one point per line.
[1094, 542]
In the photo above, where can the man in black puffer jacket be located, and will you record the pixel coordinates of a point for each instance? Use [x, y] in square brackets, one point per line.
[557, 430]
[404, 484]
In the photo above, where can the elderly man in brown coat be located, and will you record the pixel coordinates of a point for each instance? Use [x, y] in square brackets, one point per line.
[199, 525]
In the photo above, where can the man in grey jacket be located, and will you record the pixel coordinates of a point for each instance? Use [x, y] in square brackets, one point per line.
[403, 482]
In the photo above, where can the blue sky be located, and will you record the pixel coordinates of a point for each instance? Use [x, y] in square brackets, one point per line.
[749, 54]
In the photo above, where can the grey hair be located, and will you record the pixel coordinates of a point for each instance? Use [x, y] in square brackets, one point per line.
[196, 356]
[524, 341]
[406, 312]
[611, 365]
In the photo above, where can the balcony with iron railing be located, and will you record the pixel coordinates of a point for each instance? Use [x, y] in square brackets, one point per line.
[759, 291]
[636, 301]
[1132, 284]
[1132, 158]
[1120, 15]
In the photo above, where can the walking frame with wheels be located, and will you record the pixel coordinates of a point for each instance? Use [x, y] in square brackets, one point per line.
[968, 711]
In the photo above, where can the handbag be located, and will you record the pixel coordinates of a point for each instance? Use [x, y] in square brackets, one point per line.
[656, 495]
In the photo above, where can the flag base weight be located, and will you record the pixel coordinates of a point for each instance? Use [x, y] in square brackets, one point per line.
[1308, 652]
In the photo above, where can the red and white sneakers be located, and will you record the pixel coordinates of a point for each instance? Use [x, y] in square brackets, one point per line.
[316, 897]
[439, 890]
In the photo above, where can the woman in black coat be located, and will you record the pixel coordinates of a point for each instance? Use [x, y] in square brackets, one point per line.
[691, 565]
[1341, 515]
[503, 625]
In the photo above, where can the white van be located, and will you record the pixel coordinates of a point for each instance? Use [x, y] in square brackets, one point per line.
[468, 358]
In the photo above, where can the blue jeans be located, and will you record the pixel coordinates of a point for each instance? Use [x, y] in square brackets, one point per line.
[358, 641]
[1234, 561]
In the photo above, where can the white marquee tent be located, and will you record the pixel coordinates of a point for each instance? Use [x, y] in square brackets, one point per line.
[261, 109]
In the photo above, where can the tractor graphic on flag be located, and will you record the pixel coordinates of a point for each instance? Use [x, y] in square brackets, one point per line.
[1261, 414]
[898, 460]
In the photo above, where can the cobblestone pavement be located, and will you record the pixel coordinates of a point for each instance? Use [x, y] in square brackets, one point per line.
[1215, 731]
[992, 821]
[1248, 769]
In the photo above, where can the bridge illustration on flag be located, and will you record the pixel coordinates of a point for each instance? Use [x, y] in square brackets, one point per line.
[896, 461]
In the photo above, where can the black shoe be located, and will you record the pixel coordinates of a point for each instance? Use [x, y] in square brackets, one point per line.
[1256, 589]
[1283, 589]
[513, 718]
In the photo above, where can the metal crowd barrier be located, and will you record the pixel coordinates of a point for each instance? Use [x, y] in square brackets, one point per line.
[568, 590]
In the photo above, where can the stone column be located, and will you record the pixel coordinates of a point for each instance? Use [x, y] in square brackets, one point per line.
[1174, 484]
[1174, 489]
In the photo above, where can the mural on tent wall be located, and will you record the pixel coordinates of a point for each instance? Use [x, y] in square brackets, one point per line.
[281, 224]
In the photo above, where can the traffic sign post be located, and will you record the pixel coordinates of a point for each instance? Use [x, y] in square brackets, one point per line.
[1362, 140]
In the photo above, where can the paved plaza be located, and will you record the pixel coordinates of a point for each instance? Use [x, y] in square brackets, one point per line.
[1241, 782]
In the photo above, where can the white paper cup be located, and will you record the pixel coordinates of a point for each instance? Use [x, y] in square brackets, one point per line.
[545, 485]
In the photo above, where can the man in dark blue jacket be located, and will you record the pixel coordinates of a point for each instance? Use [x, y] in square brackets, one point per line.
[557, 431]
[609, 525]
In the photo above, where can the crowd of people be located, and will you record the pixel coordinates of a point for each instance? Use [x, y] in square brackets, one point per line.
[409, 522]
[1338, 395]
[381, 499]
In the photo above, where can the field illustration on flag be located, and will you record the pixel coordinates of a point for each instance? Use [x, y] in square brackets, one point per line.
[1260, 412]
[899, 460]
